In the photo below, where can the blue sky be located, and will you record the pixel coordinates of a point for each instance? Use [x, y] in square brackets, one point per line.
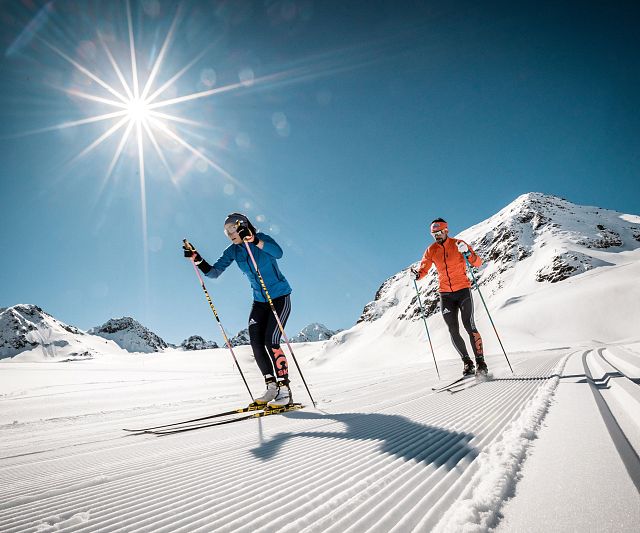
[352, 126]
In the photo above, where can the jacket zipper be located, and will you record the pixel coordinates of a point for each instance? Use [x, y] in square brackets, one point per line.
[446, 268]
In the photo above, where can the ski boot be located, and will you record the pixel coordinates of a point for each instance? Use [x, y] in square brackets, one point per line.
[283, 398]
[269, 394]
[469, 369]
[481, 367]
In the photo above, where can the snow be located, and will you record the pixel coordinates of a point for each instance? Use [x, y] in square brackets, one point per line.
[552, 447]
[407, 460]
[572, 458]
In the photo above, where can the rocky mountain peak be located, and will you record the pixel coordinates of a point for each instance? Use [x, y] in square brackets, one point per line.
[26, 326]
[130, 335]
[314, 332]
[195, 342]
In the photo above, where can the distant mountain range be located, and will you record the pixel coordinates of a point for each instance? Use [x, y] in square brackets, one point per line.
[536, 242]
[312, 333]
[26, 327]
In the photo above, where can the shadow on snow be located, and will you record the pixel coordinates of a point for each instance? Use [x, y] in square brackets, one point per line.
[397, 435]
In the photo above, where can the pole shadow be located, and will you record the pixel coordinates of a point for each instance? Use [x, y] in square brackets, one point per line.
[397, 435]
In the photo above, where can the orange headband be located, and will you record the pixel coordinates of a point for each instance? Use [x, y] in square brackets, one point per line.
[437, 226]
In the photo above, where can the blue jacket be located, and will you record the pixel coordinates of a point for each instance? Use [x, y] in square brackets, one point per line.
[276, 283]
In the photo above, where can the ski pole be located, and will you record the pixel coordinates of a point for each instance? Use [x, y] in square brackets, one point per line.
[275, 313]
[475, 282]
[424, 318]
[189, 246]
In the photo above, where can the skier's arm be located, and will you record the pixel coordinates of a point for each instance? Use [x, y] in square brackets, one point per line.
[425, 264]
[269, 246]
[222, 263]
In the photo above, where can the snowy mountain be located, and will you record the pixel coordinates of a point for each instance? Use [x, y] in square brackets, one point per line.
[537, 239]
[314, 332]
[537, 247]
[27, 328]
[241, 338]
[311, 333]
[130, 335]
[195, 342]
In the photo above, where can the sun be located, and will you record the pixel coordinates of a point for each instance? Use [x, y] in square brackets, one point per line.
[138, 110]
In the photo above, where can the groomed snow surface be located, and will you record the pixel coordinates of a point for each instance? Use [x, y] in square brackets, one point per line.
[552, 447]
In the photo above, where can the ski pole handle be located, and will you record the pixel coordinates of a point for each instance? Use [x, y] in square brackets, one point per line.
[188, 246]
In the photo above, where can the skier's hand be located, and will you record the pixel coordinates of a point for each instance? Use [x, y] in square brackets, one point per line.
[191, 252]
[462, 247]
[415, 273]
[245, 234]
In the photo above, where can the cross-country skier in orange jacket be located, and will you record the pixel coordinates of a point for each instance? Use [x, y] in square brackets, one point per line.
[447, 254]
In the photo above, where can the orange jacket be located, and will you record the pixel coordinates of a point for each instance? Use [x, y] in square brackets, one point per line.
[452, 268]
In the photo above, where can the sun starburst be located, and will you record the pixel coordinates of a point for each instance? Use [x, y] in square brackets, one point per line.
[137, 113]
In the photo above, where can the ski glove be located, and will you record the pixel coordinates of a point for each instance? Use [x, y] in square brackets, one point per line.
[415, 273]
[462, 247]
[192, 253]
[245, 234]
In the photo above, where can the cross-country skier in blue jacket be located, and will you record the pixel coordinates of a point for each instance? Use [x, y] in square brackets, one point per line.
[264, 332]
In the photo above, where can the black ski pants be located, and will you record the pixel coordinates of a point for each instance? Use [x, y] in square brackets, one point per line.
[452, 303]
[265, 334]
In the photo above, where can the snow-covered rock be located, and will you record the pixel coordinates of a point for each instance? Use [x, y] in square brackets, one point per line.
[314, 332]
[195, 342]
[241, 338]
[130, 335]
[26, 327]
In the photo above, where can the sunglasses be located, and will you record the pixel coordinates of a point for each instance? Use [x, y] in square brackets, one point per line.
[438, 233]
[230, 231]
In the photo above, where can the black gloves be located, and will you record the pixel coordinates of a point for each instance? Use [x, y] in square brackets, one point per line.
[415, 273]
[245, 234]
[192, 253]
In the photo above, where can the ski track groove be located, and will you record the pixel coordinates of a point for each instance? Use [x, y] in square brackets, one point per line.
[333, 491]
[82, 468]
[409, 501]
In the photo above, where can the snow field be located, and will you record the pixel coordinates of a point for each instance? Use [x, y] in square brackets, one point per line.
[364, 461]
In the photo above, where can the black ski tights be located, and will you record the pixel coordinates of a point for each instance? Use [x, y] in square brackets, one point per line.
[265, 334]
[450, 304]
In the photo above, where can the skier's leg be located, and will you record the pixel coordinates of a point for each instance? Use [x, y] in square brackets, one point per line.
[466, 312]
[282, 306]
[258, 321]
[449, 309]
[272, 335]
